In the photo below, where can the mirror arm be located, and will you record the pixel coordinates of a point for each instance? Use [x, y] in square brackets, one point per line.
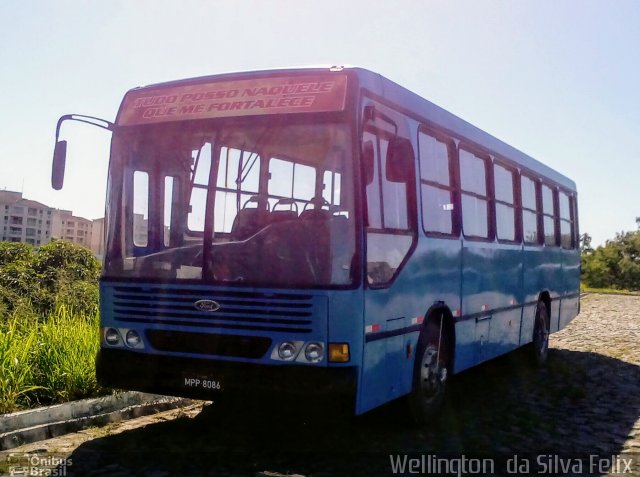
[101, 123]
[371, 113]
[60, 150]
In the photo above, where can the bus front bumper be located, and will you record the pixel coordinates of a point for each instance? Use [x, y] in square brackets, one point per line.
[213, 379]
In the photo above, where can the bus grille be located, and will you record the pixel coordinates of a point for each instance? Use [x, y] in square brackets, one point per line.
[238, 310]
[206, 343]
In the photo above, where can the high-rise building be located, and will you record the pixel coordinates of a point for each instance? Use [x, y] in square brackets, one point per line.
[67, 226]
[97, 238]
[24, 220]
[28, 221]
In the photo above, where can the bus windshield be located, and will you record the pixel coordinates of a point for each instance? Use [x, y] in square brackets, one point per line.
[242, 202]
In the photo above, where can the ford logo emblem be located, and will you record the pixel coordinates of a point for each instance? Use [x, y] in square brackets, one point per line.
[207, 305]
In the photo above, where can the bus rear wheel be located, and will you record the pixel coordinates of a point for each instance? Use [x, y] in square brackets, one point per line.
[540, 344]
[430, 374]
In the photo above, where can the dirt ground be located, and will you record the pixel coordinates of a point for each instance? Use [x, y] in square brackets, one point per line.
[584, 407]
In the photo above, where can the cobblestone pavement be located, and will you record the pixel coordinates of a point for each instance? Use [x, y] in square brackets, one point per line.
[586, 401]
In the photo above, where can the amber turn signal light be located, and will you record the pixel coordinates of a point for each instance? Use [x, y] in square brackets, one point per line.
[338, 352]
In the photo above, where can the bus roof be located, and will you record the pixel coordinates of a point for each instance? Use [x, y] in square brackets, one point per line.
[423, 109]
[407, 101]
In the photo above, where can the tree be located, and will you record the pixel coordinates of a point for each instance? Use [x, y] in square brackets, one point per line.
[614, 265]
[585, 243]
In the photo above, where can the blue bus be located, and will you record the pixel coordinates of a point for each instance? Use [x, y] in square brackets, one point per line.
[324, 231]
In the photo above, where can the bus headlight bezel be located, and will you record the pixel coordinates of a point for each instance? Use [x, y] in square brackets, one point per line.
[112, 337]
[133, 339]
[314, 352]
[287, 350]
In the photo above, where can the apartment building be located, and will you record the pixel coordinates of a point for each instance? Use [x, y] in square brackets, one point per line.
[97, 238]
[66, 226]
[24, 220]
[28, 221]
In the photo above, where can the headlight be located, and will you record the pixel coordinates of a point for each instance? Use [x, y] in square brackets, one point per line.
[314, 352]
[111, 336]
[287, 351]
[132, 338]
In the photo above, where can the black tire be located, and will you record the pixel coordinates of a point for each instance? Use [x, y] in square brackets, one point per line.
[540, 345]
[430, 374]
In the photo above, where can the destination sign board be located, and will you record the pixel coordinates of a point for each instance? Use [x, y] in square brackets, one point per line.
[248, 97]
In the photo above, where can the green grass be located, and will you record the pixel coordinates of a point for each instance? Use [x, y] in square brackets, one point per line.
[16, 371]
[608, 291]
[47, 361]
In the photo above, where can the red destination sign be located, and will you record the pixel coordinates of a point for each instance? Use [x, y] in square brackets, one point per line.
[276, 95]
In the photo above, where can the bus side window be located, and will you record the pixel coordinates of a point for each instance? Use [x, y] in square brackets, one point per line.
[389, 232]
[566, 223]
[140, 209]
[198, 194]
[374, 200]
[171, 207]
[436, 185]
[291, 180]
[574, 217]
[505, 203]
[331, 187]
[548, 216]
[529, 210]
[238, 181]
[474, 195]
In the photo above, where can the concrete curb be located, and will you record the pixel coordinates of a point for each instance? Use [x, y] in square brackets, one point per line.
[44, 423]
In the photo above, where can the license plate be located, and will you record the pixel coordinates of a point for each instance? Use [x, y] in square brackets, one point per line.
[199, 382]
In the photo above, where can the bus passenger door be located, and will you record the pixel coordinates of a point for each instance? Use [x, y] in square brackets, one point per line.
[390, 239]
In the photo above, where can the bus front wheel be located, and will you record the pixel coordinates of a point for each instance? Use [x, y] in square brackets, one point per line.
[430, 374]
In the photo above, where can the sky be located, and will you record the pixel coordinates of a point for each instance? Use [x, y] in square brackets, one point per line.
[558, 80]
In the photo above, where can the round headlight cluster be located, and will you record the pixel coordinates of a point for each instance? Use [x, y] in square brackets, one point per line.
[123, 336]
[299, 351]
[287, 351]
[314, 352]
[132, 338]
[111, 336]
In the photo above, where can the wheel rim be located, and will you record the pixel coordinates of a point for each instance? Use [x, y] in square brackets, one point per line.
[432, 375]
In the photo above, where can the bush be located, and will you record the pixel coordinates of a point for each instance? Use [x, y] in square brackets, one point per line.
[615, 265]
[58, 273]
[48, 324]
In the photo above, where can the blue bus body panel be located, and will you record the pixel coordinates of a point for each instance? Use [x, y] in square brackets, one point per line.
[491, 288]
[570, 306]
[490, 298]
[431, 274]
[346, 318]
[276, 314]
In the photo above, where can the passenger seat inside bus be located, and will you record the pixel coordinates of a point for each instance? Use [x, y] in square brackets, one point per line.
[283, 214]
[250, 220]
[317, 212]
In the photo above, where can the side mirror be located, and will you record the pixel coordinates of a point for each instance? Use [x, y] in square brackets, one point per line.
[399, 160]
[367, 161]
[59, 160]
